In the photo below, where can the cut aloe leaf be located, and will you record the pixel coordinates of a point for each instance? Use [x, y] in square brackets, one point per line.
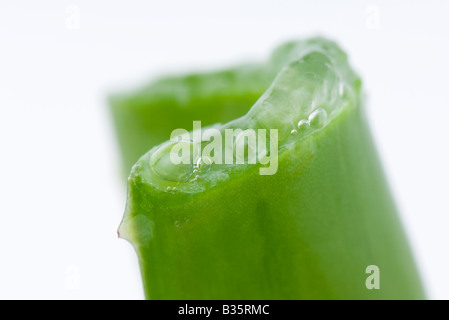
[145, 118]
[310, 229]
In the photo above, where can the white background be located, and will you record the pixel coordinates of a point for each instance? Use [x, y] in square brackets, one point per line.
[61, 196]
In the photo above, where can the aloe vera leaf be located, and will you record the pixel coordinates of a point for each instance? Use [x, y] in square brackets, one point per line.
[307, 232]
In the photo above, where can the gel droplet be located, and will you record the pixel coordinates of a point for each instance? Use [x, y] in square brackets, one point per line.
[171, 189]
[317, 118]
[303, 124]
[203, 164]
[163, 164]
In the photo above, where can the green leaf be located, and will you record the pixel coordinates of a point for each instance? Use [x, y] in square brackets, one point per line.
[312, 230]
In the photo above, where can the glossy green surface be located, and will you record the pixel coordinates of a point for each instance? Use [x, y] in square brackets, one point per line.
[307, 232]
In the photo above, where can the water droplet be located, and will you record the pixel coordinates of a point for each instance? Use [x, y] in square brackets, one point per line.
[171, 189]
[317, 118]
[203, 164]
[177, 224]
[171, 161]
[303, 124]
[294, 131]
